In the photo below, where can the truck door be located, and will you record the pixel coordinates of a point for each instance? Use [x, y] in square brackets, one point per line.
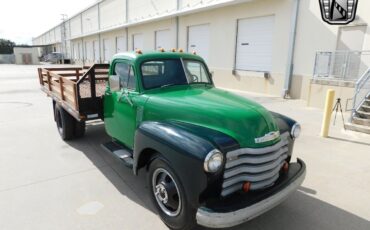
[120, 103]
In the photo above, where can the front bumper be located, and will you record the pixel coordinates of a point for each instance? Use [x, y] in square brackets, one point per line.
[214, 218]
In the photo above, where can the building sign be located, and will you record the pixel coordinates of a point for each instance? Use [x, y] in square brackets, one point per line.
[338, 12]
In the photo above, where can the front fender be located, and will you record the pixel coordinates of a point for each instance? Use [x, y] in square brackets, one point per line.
[284, 123]
[185, 147]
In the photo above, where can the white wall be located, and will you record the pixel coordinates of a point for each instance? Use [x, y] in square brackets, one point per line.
[142, 9]
[112, 13]
[90, 22]
[148, 31]
[76, 26]
[58, 34]
[313, 35]
[110, 37]
[31, 51]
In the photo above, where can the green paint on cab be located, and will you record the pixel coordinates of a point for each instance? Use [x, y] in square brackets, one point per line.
[199, 104]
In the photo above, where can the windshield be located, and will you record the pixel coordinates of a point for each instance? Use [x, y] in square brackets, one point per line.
[163, 73]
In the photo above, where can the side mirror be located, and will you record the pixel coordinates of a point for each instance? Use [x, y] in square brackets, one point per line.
[114, 83]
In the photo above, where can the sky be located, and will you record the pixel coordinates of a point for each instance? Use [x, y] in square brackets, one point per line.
[20, 20]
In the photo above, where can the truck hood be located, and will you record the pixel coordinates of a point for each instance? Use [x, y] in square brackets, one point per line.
[236, 116]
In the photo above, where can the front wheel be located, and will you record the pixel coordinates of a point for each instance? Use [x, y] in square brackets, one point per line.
[168, 196]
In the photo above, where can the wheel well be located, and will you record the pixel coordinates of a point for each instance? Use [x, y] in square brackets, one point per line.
[146, 156]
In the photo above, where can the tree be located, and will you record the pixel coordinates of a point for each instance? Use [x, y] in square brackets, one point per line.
[6, 46]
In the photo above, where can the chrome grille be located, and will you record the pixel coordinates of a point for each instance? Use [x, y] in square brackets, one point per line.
[260, 166]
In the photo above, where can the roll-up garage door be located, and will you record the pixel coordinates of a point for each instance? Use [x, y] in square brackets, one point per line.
[121, 44]
[254, 44]
[89, 52]
[163, 40]
[138, 42]
[96, 51]
[198, 40]
[108, 46]
[75, 52]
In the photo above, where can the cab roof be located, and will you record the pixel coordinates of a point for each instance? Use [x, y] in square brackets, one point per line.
[150, 55]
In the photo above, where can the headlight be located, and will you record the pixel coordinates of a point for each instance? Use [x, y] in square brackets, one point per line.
[213, 161]
[296, 130]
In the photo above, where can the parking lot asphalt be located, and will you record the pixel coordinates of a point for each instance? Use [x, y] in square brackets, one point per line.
[46, 183]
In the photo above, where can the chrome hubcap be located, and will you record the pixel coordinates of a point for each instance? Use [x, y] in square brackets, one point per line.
[166, 192]
[161, 193]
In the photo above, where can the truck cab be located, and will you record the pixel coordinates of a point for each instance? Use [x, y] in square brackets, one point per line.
[212, 158]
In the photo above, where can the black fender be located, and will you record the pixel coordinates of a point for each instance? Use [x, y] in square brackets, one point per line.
[284, 123]
[184, 146]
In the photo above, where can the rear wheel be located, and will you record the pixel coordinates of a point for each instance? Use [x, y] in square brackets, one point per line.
[168, 196]
[65, 123]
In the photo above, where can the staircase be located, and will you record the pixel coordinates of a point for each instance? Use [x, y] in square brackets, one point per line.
[360, 119]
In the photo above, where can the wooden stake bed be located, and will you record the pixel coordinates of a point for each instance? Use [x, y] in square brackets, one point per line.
[79, 90]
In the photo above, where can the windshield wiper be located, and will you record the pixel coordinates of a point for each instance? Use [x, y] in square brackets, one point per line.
[167, 85]
[194, 83]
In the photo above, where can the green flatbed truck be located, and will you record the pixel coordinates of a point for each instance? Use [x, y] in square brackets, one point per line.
[212, 158]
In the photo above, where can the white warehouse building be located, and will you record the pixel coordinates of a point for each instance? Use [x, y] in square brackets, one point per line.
[264, 46]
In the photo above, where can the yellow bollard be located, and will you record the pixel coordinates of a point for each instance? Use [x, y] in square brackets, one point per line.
[327, 112]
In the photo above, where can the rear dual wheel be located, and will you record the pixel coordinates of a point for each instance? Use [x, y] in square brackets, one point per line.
[68, 127]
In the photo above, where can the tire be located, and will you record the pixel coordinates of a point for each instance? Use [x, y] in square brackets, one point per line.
[79, 129]
[162, 176]
[65, 123]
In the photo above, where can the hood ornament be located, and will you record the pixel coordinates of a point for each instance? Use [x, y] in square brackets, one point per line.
[268, 137]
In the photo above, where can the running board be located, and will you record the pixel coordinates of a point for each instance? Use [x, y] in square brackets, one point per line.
[119, 151]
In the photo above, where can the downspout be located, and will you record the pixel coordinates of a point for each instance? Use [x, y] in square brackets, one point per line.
[177, 32]
[126, 21]
[99, 27]
[177, 24]
[292, 39]
[82, 42]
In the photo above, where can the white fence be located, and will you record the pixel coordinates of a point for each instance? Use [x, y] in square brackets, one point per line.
[7, 59]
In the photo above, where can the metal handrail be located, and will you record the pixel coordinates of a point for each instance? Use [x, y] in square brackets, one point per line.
[341, 65]
[360, 83]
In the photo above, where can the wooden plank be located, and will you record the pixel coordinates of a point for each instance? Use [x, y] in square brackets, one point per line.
[54, 75]
[56, 90]
[77, 75]
[40, 76]
[68, 89]
[44, 71]
[63, 68]
[70, 100]
[67, 74]
[76, 97]
[68, 81]
[61, 88]
[55, 82]
[49, 81]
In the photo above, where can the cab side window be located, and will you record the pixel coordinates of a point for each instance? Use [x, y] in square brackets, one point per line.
[131, 79]
[122, 71]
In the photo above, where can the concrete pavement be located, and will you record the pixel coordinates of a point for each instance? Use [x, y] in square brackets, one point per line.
[46, 183]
